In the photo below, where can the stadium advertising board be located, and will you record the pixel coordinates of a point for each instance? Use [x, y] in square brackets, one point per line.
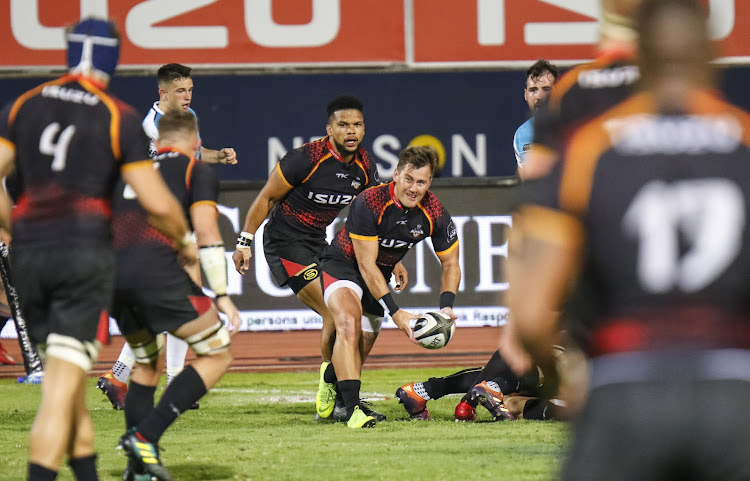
[480, 213]
[230, 33]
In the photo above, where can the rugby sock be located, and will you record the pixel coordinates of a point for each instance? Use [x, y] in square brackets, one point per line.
[121, 369]
[176, 352]
[139, 402]
[349, 390]
[329, 375]
[84, 469]
[456, 383]
[186, 389]
[538, 409]
[39, 473]
[419, 390]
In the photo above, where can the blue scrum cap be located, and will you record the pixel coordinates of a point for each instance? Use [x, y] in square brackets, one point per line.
[93, 45]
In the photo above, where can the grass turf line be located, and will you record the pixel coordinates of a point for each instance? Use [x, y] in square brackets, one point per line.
[261, 427]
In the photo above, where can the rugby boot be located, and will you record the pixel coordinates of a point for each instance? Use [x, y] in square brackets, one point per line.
[489, 395]
[414, 404]
[339, 412]
[366, 408]
[326, 396]
[465, 412]
[359, 420]
[143, 455]
[130, 473]
[5, 358]
[114, 389]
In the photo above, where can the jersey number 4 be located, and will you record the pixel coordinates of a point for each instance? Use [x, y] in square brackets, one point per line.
[706, 217]
[59, 150]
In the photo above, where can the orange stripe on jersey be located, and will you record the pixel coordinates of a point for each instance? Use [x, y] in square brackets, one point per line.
[135, 165]
[7, 143]
[278, 168]
[568, 80]
[317, 164]
[31, 93]
[114, 123]
[367, 177]
[189, 172]
[363, 237]
[382, 211]
[429, 218]
[448, 250]
[711, 103]
[586, 147]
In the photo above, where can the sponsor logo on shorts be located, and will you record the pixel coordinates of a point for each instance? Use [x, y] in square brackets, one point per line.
[310, 274]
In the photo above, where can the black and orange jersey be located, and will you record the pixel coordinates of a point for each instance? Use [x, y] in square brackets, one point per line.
[660, 203]
[71, 139]
[583, 93]
[378, 215]
[321, 186]
[143, 255]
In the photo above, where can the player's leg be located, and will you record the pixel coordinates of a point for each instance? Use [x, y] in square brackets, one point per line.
[81, 456]
[344, 301]
[414, 396]
[114, 383]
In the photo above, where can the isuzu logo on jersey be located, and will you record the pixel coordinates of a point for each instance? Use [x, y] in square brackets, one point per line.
[331, 199]
[396, 244]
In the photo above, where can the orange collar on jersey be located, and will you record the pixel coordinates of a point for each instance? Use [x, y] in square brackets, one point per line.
[175, 149]
[392, 190]
[77, 76]
[336, 154]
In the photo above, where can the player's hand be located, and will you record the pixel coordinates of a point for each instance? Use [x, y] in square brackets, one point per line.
[402, 318]
[226, 306]
[402, 277]
[241, 258]
[227, 155]
[188, 254]
[448, 311]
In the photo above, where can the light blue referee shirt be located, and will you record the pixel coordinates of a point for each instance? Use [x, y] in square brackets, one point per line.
[151, 127]
[522, 140]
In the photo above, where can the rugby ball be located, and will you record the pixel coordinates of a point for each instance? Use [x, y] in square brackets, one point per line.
[434, 330]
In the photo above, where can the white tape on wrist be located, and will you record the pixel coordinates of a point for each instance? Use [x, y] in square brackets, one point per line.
[214, 264]
[245, 240]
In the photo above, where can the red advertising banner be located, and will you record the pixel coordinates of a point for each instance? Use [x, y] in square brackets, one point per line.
[513, 30]
[213, 32]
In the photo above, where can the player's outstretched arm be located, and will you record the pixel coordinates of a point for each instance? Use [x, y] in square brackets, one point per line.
[226, 155]
[165, 213]
[274, 190]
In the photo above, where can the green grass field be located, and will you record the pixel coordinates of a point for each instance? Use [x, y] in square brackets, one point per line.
[261, 427]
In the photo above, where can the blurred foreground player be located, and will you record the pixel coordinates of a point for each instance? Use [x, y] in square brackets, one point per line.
[69, 141]
[657, 189]
[154, 294]
[384, 223]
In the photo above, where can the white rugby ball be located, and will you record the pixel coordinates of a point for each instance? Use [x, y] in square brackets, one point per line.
[434, 330]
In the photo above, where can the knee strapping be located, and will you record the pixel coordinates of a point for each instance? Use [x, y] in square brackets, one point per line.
[148, 352]
[210, 341]
[81, 353]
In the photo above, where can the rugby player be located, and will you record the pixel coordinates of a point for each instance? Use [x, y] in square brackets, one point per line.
[384, 223]
[651, 201]
[69, 140]
[540, 78]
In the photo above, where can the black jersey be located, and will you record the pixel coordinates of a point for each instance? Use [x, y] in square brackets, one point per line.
[664, 202]
[583, 93]
[377, 215]
[321, 186]
[143, 255]
[71, 139]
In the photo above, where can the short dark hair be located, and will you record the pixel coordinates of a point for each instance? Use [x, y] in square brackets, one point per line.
[345, 102]
[176, 121]
[418, 156]
[172, 71]
[539, 68]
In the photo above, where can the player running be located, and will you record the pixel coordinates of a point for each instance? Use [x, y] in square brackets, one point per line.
[304, 194]
[384, 223]
[153, 294]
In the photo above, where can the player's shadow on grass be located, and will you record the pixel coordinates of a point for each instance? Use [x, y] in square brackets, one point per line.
[195, 472]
